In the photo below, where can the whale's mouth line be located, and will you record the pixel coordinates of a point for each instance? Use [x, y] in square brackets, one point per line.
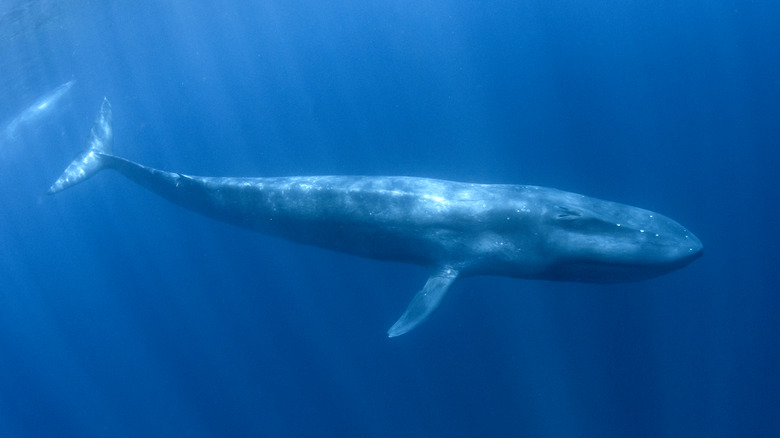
[616, 271]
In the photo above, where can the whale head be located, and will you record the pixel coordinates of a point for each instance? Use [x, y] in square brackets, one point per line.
[591, 240]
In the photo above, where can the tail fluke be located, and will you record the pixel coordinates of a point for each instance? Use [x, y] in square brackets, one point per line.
[90, 161]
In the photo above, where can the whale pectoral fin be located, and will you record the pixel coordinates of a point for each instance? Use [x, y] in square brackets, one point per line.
[425, 302]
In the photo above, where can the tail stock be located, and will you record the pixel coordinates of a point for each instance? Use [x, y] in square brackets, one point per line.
[90, 161]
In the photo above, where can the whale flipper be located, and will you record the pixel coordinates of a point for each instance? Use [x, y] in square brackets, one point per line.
[90, 161]
[425, 302]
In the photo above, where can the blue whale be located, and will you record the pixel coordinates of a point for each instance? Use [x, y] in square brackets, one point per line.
[41, 106]
[455, 229]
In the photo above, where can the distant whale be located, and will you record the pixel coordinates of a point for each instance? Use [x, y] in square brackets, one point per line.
[36, 110]
[455, 229]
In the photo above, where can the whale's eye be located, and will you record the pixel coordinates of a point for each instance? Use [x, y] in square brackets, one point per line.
[567, 213]
[581, 222]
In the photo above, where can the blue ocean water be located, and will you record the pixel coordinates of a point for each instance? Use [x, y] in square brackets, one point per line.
[124, 315]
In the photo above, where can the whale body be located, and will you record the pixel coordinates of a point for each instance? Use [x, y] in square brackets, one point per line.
[455, 229]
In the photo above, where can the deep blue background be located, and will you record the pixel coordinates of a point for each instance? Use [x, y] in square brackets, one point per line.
[123, 315]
